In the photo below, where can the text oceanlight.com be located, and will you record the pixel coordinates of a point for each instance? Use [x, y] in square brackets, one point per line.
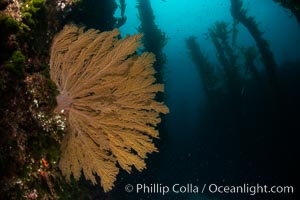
[158, 188]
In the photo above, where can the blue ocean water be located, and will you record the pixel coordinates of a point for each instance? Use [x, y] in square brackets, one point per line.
[196, 149]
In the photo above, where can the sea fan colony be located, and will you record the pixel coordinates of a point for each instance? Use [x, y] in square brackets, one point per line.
[107, 92]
